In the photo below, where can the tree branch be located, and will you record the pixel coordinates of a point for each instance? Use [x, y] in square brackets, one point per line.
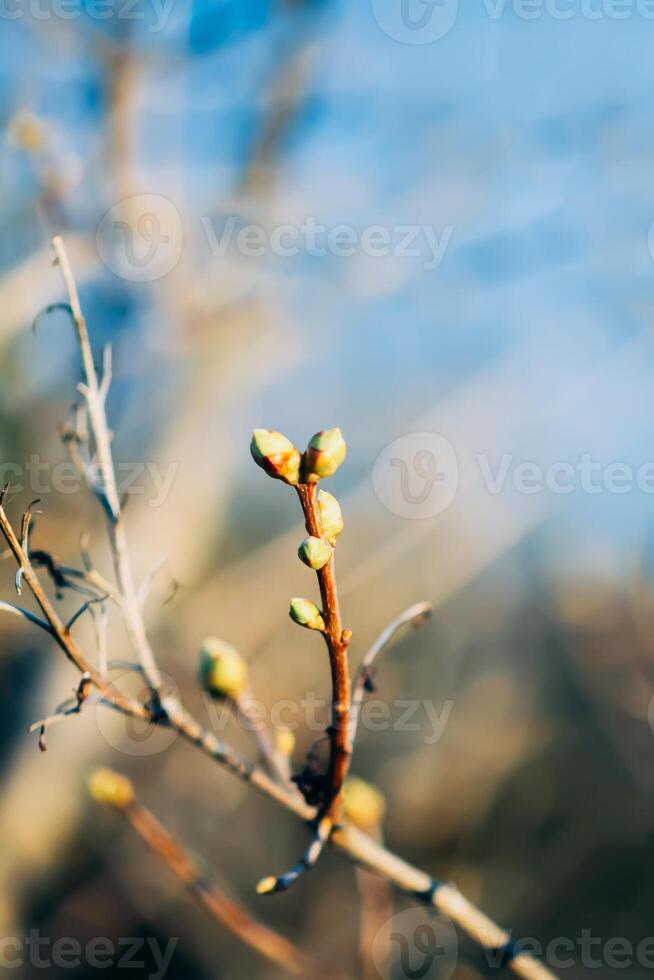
[415, 616]
[224, 910]
[106, 488]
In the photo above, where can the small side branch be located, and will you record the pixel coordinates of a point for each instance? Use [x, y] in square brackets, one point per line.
[59, 632]
[26, 614]
[224, 910]
[413, 616]
[72, 706]
[249, 717]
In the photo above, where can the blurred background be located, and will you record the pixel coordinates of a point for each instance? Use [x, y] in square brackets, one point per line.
[429, 225]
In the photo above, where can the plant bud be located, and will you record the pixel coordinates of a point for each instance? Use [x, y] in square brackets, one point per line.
[284, 741]
[331, 518]
[363, 804]
[223, 671]
[276, 454]
[324, 454]
[314, 552]
[267, 886]
[306, 613]
[107, 786]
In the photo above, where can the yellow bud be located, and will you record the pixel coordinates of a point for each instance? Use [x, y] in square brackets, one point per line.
[314, 552]
[107, 786]
[363, 804]
[267, 886]
[331, 518]
[223, 672]
[276, 454]
[324, 454]
[284, 741]
[306, 613]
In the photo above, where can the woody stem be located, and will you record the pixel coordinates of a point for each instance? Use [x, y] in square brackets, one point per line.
[337, 640]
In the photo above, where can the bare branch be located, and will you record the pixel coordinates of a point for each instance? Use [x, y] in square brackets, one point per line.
[80, 612]
[59, 632]
[146, 585]
[26, 614]
[224, 910]
[71, 706]
[106, 486]
[415, 615]
[250, 719]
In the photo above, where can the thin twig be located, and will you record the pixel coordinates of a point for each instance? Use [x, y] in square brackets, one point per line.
[71, 706]
[224, 910]
[415, 616]
[250, 719]
[26, 614]
[57, 628]
[146, 585]
[95, 395]
[83, 608]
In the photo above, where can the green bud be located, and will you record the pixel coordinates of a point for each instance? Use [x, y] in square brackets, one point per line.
[306, 613]
[223, 672]
[276, 454]
[324, 454]
[314, 552]
[331, 518]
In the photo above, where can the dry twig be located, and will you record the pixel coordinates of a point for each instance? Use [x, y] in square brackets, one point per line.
[228, 913]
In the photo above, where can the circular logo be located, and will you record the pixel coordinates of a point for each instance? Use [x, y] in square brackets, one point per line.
[135, 736]
[140, 238]
[415, 21]
[417, 475]
[416, 944]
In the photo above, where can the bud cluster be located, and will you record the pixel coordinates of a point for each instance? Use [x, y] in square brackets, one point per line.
[279, 458]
